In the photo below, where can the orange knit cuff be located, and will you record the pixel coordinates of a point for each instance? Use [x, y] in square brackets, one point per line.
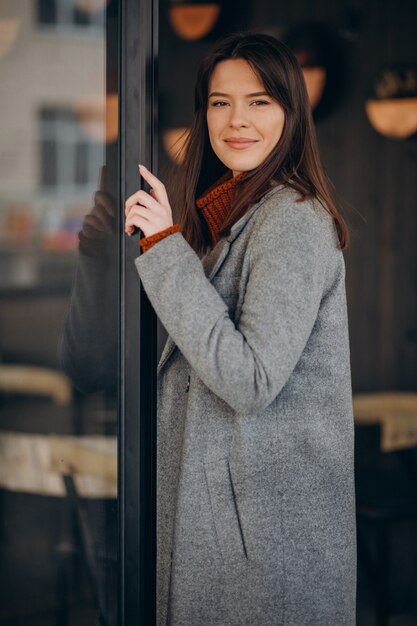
[147, 242]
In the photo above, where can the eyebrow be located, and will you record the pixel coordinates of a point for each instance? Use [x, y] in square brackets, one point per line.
[249, 95]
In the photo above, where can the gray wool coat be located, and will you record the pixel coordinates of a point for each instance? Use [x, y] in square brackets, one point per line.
[255, 496]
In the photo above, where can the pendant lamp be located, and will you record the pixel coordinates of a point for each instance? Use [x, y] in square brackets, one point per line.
[391, 104]
[318, 49]
[193, 20]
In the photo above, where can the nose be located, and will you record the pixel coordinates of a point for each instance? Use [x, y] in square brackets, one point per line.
[238, 117]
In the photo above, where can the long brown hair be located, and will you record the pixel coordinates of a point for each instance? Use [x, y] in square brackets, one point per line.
[295, 160]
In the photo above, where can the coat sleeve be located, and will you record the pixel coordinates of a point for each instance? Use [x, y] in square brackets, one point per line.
[87, 349]
[246, 365]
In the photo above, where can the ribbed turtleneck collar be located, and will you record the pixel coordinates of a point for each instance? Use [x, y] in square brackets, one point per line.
[216, 201]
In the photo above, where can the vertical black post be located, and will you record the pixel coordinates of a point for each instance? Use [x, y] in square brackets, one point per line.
[137, 436]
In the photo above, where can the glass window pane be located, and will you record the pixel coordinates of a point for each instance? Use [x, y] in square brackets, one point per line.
[48, 163]
[47, 11]
[81, 163]
[58, 351]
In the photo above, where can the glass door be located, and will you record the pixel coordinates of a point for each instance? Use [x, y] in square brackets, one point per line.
[60, 302]
[78, 338]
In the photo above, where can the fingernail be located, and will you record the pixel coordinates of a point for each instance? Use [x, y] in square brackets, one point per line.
[142, 166]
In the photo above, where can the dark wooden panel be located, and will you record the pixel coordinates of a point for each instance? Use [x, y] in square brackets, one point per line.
[375, 177]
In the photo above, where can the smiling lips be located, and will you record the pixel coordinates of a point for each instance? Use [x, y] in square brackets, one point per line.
[240, 143]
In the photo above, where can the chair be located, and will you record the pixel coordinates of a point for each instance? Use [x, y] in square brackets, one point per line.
[386, 482]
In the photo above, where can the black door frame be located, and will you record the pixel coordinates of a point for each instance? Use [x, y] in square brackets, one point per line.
[138, 20]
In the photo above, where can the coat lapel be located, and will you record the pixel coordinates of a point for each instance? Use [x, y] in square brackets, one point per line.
[212, 262]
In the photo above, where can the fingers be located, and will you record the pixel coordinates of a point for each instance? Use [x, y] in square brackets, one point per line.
[95, 225]
[101, 218]
[150, 212]
[157, 185]
[146, 220]
[143, 198]
[137, 217]
[106, 221]
[101, 198]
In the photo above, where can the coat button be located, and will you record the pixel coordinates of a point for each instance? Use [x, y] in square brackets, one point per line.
[188, 385]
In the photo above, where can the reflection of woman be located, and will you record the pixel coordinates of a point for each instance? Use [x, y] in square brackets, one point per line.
[88, 351]
[256, 516]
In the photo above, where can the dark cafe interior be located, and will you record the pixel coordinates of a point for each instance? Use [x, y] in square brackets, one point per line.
[89, 89]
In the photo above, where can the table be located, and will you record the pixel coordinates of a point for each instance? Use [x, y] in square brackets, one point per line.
[395, 411]
[36, 464]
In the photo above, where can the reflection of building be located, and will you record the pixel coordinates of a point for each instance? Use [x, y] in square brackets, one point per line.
[49, 158]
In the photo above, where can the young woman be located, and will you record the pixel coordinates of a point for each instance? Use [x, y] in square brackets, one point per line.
[256, 512]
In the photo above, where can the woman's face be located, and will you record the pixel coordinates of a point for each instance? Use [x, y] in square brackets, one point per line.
[244, 122]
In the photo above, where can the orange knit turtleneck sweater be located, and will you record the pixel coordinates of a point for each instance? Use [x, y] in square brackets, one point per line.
[214, 204]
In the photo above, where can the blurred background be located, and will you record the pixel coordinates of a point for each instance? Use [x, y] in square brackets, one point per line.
[60, 290]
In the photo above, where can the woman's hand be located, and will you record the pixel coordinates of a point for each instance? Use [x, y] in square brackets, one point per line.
[100, 222]
[151, 212]
[99, 225]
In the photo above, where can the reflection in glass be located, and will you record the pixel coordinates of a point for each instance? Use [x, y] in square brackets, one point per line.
[58, 445]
